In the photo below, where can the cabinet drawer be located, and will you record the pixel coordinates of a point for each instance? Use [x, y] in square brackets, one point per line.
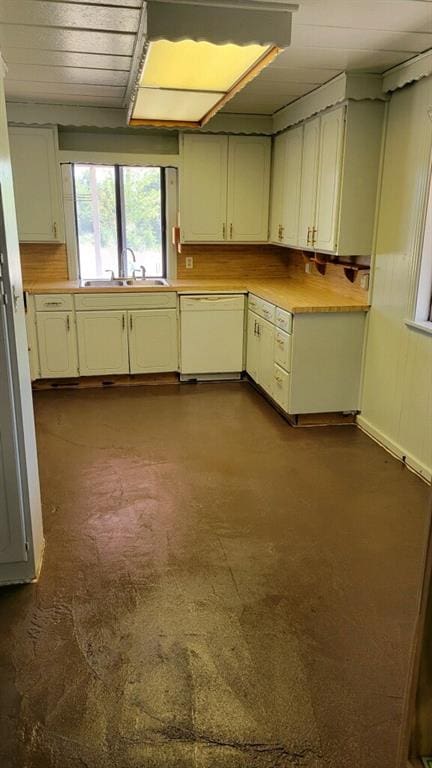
[282, 349]
[158, 300]
[281, 387]
[284, 320]
[54, 302]
[262, 308]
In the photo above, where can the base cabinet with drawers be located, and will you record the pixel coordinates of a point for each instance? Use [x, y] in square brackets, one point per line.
[102, 334]
[309, 362]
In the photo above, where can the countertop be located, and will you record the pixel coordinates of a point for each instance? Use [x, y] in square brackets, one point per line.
[294, 295]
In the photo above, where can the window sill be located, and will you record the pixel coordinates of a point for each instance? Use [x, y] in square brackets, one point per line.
[424, 326]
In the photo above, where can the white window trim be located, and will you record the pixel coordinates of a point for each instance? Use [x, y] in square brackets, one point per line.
[171, 196]
[422, 303]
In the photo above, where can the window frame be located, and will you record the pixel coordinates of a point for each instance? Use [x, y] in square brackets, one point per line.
[121, 217]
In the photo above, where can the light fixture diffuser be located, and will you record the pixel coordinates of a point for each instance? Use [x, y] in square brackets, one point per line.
[197, 66]
[189, 81]
[196, 55]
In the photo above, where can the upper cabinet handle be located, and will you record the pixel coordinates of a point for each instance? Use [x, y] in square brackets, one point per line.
[308, 235]
[231, 231]
[224, 231]
[54, 226]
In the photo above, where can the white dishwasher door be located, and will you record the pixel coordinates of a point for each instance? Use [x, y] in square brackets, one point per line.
[211, 333]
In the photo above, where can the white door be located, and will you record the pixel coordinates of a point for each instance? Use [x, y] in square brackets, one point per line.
[102, 342]
[203, 188]
[277, 202]
[266, 332]
[308, 182]
[36, 183]
[248, 188]
[153, 340]
[57, 344]
[12, 530]
[329, 174]
[291, 190]
[253, 347]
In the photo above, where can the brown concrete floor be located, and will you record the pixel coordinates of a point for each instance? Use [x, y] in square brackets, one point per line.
[218, 590]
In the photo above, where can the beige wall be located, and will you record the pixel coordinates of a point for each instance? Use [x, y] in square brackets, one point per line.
[397, 393]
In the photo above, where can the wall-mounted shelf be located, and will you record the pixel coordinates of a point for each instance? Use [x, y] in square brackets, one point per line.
[321, 262]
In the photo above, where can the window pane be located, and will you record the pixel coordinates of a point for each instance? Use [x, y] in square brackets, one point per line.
[143, 219]
[96, 219]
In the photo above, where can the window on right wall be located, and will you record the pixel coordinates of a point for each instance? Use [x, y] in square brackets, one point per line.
[423, 304]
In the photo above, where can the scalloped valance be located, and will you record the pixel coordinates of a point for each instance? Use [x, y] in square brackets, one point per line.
[408, 72]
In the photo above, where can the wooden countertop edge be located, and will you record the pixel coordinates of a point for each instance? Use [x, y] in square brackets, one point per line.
[273, 293]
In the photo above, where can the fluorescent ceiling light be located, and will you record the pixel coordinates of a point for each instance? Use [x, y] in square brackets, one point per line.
[189, 81]
[197, 66]
[177, 106]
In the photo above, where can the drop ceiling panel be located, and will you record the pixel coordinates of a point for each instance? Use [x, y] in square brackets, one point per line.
[69, 15]
[109, 77]
[403, 16]
[360, 39]
[65, 39]
[35, 56]
[67, 89]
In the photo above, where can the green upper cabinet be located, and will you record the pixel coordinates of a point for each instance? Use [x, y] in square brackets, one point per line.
[286, 181]
[224, 188]
[36, 175]
[325, 180]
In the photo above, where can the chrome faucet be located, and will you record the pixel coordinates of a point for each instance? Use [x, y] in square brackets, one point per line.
[133, 254]
[143, 272]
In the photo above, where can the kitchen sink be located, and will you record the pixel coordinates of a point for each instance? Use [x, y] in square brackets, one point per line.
[122, 282]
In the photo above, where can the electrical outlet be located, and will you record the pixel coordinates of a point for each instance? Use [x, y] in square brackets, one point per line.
[308, 268]
[364, 281]
[189, 262]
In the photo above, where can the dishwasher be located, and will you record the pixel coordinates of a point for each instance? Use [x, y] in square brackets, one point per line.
[211, 336]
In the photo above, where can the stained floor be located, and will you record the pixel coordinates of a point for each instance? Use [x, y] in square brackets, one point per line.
[219, 590]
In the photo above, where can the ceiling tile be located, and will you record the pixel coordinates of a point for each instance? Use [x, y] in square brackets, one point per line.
[86, 41]
[69, 15]
[29, 74]
[65, 59]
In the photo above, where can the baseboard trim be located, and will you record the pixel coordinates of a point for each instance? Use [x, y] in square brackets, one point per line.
[396, 450]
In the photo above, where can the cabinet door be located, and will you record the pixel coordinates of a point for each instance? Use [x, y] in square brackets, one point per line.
[252, 352]
[36, 184]
[291, 195]
[266, 350]
[248, 188]
[153, 340]
[329, 174]
[203, 188]
[308, 182]
[102, 342]
[277, 187]
[57, 344]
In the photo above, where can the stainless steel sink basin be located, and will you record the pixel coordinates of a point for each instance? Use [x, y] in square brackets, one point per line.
[148, 281]
[122, 282]
[103, 283]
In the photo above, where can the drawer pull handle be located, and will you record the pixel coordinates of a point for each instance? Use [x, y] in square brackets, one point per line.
[53, 303]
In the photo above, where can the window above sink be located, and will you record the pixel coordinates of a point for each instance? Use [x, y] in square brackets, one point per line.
[120, 222]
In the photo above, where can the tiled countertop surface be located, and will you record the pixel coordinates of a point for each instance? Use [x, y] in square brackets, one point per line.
[292, 294]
